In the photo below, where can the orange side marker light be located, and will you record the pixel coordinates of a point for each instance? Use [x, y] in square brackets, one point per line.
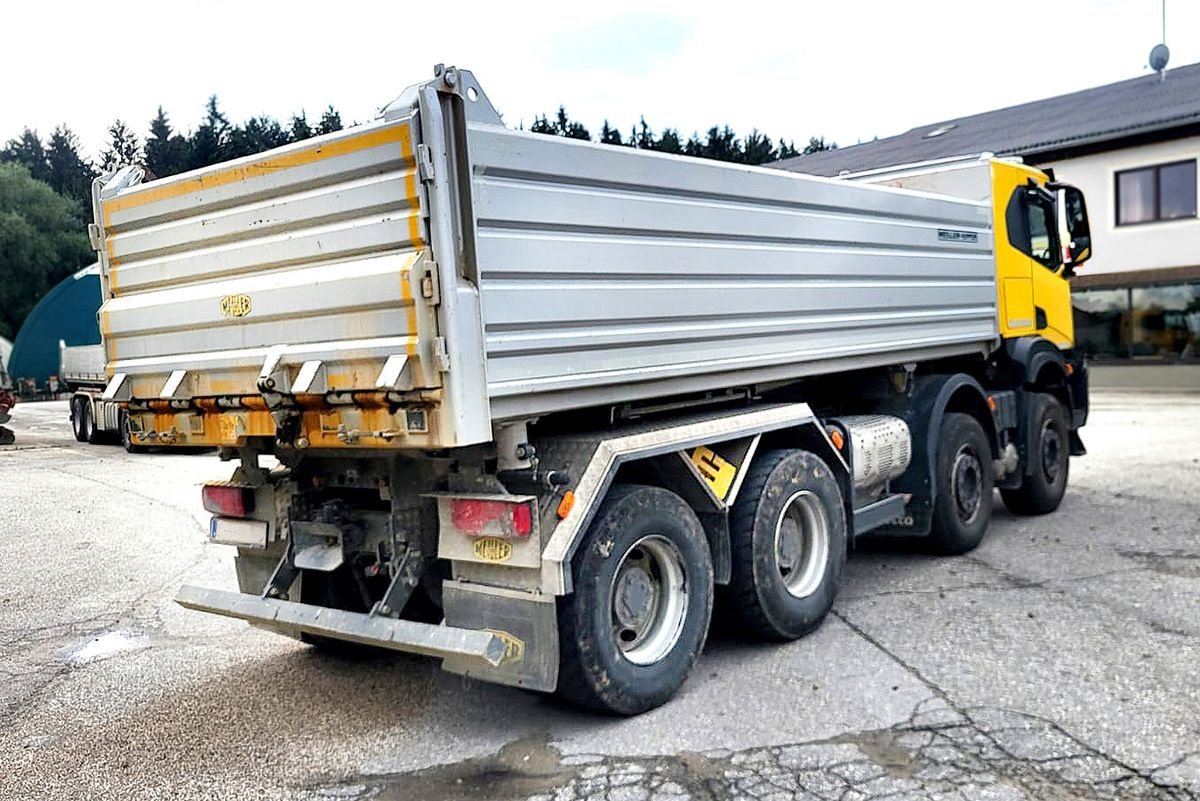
[566, 504]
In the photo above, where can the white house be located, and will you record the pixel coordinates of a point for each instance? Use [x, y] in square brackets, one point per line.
[1132, 147]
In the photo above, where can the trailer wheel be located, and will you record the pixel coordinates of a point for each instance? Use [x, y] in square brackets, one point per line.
[1050, 460]
[639, 614]
[77, 420]
[87, 425]
[788, 536]
[963, 507]
[127, 435]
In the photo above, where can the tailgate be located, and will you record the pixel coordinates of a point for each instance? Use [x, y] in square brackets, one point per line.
[290, 281]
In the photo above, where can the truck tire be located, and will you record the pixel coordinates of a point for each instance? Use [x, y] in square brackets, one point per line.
[788, 543]
[94, 435]
[1050, 460]
[127, 435]
[87, 425]
[639, 614]
[77, 420]
[964, 481]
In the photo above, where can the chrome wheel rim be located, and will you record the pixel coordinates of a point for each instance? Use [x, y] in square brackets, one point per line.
[966, 484]
[649, 600]
[802, 543]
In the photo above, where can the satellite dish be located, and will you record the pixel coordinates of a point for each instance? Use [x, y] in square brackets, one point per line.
[1159, 57]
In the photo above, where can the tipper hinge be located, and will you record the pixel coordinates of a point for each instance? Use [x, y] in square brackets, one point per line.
[429, 286]
[441, 356]
[425, 164]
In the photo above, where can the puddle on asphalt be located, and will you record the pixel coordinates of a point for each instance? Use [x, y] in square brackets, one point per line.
[105, 645]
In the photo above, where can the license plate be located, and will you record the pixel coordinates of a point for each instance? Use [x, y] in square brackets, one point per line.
[246, 533]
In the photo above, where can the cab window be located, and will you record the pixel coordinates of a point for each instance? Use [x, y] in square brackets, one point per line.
[1031, 227]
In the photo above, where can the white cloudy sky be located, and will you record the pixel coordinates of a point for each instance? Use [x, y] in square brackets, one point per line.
[849, 70]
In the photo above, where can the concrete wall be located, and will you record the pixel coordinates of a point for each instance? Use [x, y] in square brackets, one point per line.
[1175, 243]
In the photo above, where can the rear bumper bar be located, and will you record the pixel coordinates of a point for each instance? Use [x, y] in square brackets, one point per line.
[384, 632]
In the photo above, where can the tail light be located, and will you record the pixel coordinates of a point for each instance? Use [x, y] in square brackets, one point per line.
[480, 517]
[228, 500]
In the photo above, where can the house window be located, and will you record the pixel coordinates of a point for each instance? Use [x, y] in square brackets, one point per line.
[1152, 194]
[1143, 323]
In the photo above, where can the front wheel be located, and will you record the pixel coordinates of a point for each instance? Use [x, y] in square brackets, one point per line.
[1049, 460]
[637, 619]
[962, 508]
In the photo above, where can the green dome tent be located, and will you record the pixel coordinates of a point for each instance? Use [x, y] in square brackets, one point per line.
[67, 313]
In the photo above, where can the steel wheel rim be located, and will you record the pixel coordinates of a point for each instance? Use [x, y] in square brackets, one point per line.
[966, 484]
[649, 600]
[801, 546]
[1051, 451]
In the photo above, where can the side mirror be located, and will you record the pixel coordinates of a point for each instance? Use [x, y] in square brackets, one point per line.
[1074, 231]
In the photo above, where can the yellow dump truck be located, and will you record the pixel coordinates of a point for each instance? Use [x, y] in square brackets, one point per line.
[536, 404]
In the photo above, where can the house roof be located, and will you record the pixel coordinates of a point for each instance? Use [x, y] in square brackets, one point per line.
[1088, 118]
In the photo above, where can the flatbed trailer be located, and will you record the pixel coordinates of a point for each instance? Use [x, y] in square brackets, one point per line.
[534, 400]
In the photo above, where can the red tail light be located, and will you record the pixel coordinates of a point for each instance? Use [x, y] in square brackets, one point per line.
[229, 500]
[491, 518]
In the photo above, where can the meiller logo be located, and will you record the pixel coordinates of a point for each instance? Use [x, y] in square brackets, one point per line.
[235, 305]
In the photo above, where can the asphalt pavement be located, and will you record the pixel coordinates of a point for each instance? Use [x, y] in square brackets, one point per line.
[1061, 660]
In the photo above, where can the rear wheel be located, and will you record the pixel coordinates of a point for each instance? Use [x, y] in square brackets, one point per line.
[77, 419]
[964, 480]
[127, 436]
[788, 538]
[87, 424]
[1050, 460]
[639, 614]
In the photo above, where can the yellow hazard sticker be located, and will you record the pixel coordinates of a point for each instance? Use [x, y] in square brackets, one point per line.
[235, 305]
[493, 549]
[716, 471]
[514, 647]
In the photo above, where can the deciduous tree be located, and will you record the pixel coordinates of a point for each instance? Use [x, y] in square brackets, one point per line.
[42, 241]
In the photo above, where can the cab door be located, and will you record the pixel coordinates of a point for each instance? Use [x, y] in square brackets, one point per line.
[1052, 313]
[1035, 298]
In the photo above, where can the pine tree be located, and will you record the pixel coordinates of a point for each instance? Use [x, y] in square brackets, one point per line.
[330, 121]
[122, 149]
[817, 143]
[69, 173]
[643, 137]
[609, 135]
[669, 142]
[255, 136]
[167, 152]
[209, 142]
[27, 149]
[787, 150]
[300, 129]
[758, 148]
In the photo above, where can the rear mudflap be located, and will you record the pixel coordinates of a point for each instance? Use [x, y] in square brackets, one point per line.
[526, 622]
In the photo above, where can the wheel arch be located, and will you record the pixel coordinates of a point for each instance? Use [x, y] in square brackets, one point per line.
[933, 397]
[1042, 367]
[662, 457]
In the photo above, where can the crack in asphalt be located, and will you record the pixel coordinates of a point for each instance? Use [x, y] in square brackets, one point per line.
[976, 753]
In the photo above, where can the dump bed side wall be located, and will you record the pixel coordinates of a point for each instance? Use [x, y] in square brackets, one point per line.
[611, 274]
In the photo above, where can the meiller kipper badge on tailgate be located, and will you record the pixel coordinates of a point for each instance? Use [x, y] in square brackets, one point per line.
[493, 549]
[235, 305]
